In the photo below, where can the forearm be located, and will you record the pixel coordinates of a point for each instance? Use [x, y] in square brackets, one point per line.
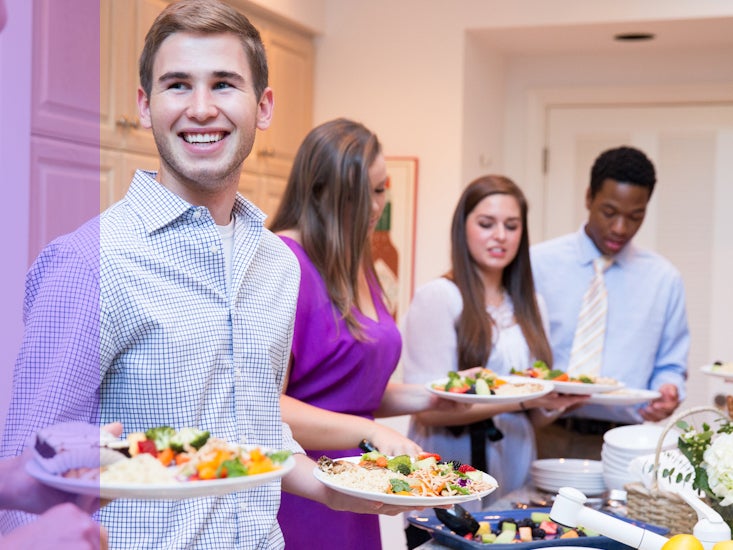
[8, 473]
[300, 481]
[465, 416]
[402, 399]
[316, 428]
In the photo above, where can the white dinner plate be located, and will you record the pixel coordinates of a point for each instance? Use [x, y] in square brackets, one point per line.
[403, 500]
[572, 466]
[579, 388]
[156, 491]
[623, 396]
[636, 439]
[712, 371]
[473, 398]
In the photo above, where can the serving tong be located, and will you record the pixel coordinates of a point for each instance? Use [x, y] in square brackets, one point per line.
[456, 518]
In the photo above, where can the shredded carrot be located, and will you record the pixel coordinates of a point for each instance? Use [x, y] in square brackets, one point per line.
[166, 456]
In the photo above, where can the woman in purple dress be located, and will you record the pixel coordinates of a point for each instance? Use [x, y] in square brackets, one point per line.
[346, 344]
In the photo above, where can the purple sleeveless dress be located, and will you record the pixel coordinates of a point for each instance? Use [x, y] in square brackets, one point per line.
[334, 371]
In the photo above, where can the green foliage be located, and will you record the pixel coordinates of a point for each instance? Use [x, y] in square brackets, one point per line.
[693, 444]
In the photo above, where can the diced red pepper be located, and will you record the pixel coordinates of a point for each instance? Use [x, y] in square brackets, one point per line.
[425, 455]
[463, 468]
[147, 446]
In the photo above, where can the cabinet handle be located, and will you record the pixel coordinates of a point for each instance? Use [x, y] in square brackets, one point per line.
[266, 153]
[125, 122]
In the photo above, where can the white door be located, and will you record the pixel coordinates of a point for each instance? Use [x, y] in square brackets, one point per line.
[690, 218]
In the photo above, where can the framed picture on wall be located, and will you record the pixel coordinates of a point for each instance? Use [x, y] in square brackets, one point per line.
[393, 243]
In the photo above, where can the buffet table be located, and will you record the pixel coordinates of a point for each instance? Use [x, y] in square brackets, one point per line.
[526, 497]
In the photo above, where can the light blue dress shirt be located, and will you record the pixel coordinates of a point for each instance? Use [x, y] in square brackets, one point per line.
[129, 319]
[647, 337]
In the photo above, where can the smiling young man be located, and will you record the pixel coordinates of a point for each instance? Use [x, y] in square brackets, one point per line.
[176, 306]
[646, 335]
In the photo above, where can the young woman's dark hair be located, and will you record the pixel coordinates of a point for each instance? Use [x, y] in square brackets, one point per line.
[328, 199]
[474, 327]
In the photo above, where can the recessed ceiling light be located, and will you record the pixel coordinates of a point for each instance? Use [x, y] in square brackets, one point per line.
[634, 36]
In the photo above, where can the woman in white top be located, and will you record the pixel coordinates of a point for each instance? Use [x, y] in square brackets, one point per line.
[484, 312]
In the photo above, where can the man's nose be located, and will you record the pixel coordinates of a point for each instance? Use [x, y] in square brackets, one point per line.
[202, 105]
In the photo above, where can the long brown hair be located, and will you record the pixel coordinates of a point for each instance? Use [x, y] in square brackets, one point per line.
[474, 327]
[328, 199]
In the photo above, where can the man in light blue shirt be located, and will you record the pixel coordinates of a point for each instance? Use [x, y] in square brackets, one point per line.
[646, 337]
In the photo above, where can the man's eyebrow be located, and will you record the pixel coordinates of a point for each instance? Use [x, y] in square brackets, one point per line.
[173, 75]
[229, 75]
[180, 75]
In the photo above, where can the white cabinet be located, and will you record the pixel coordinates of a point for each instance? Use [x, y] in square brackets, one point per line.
[123, 25]
[290, 58]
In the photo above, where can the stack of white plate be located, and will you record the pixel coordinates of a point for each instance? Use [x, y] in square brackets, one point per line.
[623, 444]
[550, 474]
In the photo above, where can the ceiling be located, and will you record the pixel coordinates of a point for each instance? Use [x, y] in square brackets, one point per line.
[712, 33]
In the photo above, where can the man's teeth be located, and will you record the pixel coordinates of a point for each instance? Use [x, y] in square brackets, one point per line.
[202, 138]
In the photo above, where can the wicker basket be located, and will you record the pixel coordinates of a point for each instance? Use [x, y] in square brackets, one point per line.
[660, 507]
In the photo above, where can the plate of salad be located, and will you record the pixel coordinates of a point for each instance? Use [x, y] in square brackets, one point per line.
[420, 481]
[161, 464]
[485, 386]
[721, 369]
[582, 384]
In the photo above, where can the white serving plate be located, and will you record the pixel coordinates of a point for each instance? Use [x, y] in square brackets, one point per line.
[473, 398]
[156, 491]
[579, 388]
[638, 439]
[403, 500]
[710, 371]
[572, 466]
[623, 396]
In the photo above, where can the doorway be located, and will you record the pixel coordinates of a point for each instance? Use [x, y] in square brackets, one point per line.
[689, 220]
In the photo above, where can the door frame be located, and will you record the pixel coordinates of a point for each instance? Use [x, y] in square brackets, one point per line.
[539, 100]
[539, 103]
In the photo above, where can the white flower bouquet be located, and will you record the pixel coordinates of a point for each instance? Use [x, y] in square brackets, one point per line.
[709, 450]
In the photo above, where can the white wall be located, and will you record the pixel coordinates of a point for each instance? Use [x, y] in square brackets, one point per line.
[596, 76]
[406, 70]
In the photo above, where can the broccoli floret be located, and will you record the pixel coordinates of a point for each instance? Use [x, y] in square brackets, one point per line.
[401, 464]
[399, 485]
[278, 457]
[189, 437]
[161, 436]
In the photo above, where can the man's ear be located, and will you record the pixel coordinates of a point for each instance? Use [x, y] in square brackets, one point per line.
[588, 198]
[264, 109]
[143, 108]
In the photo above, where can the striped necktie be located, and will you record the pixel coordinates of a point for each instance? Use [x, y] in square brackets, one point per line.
[586, 355]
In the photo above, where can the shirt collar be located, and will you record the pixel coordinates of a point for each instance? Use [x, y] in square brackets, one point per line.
[587, 251]
[159, 206]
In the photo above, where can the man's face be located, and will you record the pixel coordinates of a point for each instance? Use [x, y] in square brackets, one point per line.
[203, 111]
[615, 214]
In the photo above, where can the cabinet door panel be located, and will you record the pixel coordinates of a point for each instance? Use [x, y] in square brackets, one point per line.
[143, 14]
[290, 61]
[116, 171]
[64, 189]
[65, 95]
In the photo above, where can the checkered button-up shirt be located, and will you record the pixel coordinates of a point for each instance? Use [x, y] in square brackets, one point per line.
[129, 319]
